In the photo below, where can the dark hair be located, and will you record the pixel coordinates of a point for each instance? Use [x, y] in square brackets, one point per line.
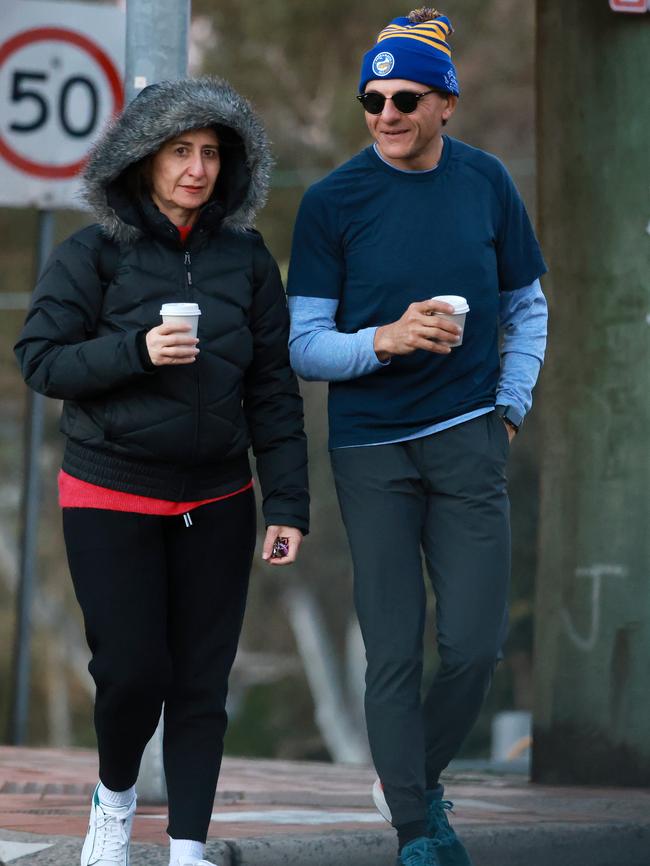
[135, 181]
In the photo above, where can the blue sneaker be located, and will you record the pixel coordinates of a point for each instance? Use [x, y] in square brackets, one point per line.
[420, 852]
[451, 851]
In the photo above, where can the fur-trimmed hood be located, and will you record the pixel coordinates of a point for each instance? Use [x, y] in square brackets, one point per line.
[163, 111]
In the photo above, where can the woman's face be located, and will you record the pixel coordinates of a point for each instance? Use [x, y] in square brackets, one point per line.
[183, 174]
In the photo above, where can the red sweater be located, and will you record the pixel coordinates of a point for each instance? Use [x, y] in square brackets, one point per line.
[74, 493]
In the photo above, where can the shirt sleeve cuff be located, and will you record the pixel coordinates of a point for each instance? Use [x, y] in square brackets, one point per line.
[368, 336]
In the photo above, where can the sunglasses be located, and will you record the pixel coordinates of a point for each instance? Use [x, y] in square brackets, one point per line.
[405, 101]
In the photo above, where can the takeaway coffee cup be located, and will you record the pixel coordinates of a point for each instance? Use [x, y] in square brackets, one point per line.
[176, 313]
[461, 309]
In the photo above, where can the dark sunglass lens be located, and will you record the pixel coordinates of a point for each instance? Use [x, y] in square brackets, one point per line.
[373, 102]
[405, 101]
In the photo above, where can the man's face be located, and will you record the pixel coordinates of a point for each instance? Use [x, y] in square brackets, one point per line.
[409, 141]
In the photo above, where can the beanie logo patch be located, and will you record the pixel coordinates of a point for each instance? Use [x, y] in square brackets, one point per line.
[383, 64]
[451, 81]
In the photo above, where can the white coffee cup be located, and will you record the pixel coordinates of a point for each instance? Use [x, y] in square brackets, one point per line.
[176, 313]
[461, 309]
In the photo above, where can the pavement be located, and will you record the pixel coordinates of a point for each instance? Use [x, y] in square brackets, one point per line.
[281, 813]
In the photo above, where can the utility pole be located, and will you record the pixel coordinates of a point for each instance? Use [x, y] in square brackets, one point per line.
[157, 42]
[592, 641]
[157, 49]
[31, 506]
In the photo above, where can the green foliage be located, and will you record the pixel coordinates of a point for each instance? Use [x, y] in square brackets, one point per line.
[275, 721]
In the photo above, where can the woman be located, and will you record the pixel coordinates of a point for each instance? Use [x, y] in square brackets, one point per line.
[156, 489]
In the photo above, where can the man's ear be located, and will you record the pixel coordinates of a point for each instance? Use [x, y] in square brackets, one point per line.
[452, 102]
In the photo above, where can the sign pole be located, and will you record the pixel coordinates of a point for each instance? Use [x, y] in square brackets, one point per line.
[30, 520]
[157, 48]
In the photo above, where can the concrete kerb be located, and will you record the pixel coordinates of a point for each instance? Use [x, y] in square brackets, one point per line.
[608, 844]
[336, 848]
[565, 844]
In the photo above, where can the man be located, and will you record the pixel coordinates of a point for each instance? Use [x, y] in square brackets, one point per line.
[420, 427]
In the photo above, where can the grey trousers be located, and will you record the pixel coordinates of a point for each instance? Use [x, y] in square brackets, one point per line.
[444, 495]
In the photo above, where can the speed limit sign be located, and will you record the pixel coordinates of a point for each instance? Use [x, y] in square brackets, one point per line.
[60, 82]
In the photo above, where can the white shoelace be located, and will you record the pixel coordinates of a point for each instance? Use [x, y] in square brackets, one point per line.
[111, 835]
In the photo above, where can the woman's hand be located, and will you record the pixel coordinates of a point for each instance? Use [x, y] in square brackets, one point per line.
[293, 538]
[171, 344]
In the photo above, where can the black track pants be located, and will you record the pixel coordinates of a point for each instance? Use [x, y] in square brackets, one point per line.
[163, 606]
[444, 495]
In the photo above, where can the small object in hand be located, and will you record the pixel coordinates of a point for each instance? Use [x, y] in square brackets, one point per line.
[280, 548]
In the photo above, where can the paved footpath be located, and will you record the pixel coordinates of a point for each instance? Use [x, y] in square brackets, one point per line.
[280, 813]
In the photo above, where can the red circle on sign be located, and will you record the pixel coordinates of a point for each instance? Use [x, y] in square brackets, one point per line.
[40, 34]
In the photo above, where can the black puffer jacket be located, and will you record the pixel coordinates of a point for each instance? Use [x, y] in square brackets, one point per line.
[173, 432]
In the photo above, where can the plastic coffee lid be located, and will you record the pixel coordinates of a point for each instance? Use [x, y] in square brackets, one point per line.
[180, 310]
[459, 303]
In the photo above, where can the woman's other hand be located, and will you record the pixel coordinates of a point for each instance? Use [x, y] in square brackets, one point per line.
[293, 538]
[171, 344]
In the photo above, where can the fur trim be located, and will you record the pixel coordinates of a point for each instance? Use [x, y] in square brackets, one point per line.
[163, 111]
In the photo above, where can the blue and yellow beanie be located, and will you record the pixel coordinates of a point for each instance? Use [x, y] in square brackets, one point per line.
[414, 48]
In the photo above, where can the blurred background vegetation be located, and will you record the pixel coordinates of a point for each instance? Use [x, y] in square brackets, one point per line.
[297, 684]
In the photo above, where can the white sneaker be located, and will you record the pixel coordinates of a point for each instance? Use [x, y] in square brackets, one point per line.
[109, 832]
[380, 801]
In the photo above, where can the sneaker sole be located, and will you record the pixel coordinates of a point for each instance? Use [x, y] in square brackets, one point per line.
[379, 800]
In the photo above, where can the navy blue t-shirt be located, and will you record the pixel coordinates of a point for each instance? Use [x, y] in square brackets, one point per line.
[377, 239]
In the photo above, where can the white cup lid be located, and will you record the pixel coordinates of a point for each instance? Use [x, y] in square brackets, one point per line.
[459, 303]
[180, 310]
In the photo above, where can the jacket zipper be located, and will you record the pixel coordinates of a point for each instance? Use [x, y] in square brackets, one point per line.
[190, 293]
[188, 272]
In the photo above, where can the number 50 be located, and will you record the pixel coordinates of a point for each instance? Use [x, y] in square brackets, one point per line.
[23, 88]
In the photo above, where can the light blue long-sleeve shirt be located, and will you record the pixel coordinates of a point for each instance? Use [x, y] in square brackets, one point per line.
[320, 352]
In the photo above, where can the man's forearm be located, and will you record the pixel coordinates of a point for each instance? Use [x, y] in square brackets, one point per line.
[523, 321]
[319, 351]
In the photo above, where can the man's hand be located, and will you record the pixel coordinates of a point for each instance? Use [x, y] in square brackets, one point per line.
[419, 328]
[510, 429]
[294, 537]
[171, 344]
